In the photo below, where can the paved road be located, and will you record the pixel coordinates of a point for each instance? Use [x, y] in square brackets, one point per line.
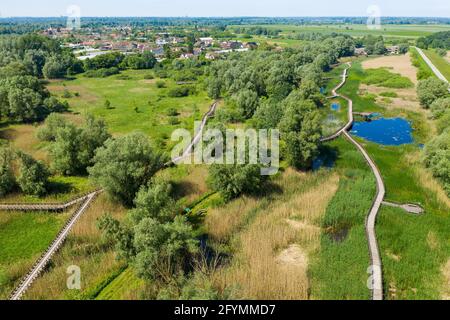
[376, 267]
[52, 249]
[432, 66]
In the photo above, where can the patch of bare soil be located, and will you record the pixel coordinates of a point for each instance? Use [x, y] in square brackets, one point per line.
[293, 256]
[407, 98]
[398, 63]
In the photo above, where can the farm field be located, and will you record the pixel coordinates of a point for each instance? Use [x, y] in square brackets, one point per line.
[391, 31]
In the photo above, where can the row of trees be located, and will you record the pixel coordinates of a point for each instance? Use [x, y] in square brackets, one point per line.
[435, 40]
[433, 94]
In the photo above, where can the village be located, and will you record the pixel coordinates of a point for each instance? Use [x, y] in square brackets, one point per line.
[91, 43]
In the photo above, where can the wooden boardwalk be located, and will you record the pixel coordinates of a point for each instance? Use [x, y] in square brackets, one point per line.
[39, 266]
[375, 270]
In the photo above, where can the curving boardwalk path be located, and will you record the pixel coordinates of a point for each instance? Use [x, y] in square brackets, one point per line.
[375, 270]
[53, 248]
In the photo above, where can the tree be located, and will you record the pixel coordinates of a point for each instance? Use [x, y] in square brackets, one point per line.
[439, 107]
[300, 130]
[125, 164]
[7, 180]
[154, 201]
[54, 68]
[94, 134]
[431, 89]
[247, 102]
[33, 178]
[437, 158]
[232, 180]
[64, 151]
[162, 249]
[52, 124]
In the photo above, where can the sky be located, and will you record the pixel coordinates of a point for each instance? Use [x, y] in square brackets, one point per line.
[224, 8]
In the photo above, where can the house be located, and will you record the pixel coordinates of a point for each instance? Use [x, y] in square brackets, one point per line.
[393, 49]
[360, 52]
[207, 41]
[187, 56]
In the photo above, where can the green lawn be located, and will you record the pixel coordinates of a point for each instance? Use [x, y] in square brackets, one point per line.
[136, 104]
[439, 62]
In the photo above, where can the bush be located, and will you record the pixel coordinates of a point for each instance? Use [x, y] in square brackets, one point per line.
[102, 73]
[7, 180]
[437, 158]
[33, 178]
[179, 92]
[439, 107]
[234, 180]
[160, 84]
[149, 76]
[172, 112]
[389, 94]
[431, 89]
[52, 124]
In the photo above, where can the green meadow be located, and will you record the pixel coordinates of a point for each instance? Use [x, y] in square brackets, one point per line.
[136, 103]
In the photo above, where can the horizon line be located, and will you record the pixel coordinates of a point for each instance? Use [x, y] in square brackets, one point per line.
[228, 17]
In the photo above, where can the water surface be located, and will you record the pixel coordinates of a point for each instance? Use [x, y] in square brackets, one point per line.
[385, 131]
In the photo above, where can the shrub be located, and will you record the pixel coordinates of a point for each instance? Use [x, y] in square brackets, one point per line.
[102, 73]
[33, 178]
[431, 89]
[160, 84]
[172, 112]
[183, 91]
[389, 94]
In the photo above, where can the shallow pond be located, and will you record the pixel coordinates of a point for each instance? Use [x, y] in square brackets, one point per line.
[335, 106]
[389, 132]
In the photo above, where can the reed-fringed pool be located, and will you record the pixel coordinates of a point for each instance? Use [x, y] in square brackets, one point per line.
[385, 131]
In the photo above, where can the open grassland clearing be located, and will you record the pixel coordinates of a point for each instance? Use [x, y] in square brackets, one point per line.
[271, 239]
[135, 104]
[23, 238]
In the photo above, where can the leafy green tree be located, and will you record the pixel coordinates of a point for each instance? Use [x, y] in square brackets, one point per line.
[94, 134]
[247, 102]
[7, 180]
[54, 68]
[119, 234]
[125, 164]
[437, 158]
[162, 249]
[154, 201]
[300, 130]
[52, 124]
[439, 107]
[34, 60]
[65, 150]
[33, 177]
[233, 180]
[431, 89]
[268, 115]
[443, 122]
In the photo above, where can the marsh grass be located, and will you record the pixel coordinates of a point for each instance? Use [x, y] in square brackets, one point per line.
[271, 241]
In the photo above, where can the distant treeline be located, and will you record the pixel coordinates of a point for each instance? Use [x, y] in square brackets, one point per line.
[24, 25]
[436, 40]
